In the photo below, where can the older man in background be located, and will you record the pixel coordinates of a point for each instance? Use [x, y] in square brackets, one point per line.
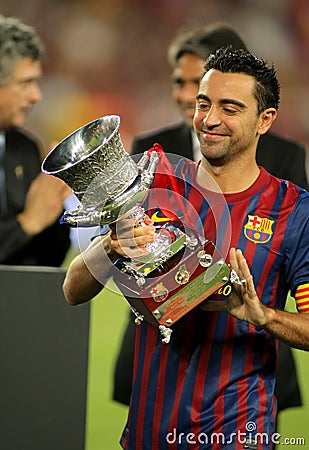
[30, 202]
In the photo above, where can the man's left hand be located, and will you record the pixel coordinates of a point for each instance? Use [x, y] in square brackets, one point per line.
[243, 302]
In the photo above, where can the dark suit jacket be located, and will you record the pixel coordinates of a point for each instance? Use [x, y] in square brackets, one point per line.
[22, 163]
[284, 159]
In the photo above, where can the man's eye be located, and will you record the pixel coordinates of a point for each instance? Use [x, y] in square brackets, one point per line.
[229, 110]
[177, 82]
[28, 83]
[203, 106]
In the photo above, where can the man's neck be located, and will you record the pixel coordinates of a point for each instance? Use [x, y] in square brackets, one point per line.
[230, 178]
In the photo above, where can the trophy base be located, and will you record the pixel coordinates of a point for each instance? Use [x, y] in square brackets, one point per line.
[162, 292]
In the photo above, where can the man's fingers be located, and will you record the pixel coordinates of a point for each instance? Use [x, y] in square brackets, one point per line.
[233, 259]
[132, 238]
[131, 242]
[130, 251]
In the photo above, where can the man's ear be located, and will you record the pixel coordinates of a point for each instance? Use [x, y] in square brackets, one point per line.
[267, 117]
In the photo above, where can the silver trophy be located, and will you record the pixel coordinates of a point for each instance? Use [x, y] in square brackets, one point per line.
[105, 179]
[107, 182]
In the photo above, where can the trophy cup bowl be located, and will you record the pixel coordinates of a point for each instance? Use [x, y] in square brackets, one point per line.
[105, 179]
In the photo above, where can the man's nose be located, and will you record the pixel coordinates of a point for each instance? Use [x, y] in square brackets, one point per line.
[212, 117]
[35, 93]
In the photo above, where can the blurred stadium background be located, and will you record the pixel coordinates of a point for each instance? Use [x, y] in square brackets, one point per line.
[109, 57]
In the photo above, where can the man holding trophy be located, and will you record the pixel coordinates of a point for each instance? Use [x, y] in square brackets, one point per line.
[212, 384]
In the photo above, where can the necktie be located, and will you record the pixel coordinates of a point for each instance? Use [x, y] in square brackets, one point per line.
[3, 199]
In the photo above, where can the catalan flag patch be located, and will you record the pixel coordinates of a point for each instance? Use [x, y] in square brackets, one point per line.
[302, 298]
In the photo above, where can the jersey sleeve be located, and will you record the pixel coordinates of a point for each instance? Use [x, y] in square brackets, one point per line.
[297, 253]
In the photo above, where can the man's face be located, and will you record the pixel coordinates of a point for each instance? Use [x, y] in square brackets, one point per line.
[185, 81]
[226, 120]
[20, 93]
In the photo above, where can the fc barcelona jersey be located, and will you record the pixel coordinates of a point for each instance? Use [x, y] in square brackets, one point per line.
[212, 386]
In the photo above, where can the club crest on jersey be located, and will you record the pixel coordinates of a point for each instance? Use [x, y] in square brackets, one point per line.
[258, 229]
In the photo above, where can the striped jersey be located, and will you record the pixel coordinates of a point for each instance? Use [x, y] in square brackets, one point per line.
[212, 386]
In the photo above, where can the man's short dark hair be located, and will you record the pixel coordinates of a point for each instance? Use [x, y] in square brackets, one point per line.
[230, 60]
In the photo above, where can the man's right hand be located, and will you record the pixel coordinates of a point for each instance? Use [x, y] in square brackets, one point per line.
[129, 238]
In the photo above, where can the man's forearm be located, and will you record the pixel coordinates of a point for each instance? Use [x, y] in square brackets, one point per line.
[290, 328]
[89, 271]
